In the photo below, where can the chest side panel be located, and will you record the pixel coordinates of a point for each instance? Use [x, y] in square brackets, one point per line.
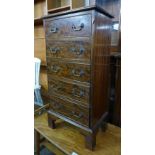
[100, 66]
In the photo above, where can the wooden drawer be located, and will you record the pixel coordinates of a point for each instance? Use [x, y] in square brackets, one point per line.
[71, 26]
[72, 111]
[69, 49]
[69, 90]
[75, 71]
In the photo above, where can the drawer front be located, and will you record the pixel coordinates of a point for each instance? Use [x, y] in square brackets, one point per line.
[69, 49]
[70, 110]
[70, 26]
[69, 90]
[74, 71]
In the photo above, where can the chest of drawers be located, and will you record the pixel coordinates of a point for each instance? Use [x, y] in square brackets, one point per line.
[77, 53]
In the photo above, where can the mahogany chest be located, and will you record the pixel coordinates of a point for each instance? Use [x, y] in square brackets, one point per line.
[78, 60]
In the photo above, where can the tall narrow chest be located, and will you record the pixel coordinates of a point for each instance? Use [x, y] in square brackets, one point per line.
[78, 60]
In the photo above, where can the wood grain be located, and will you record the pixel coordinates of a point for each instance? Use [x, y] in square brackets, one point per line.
[59, 9]
[39, 31]
[65, 2]
[78, 4]
[53, 4]
[69, 90]
[40, 50]
[69, 69]
[76, 50]
[100, 67]
[52, 148]
[72, 26]
[56, 4]
[40, 8]
[43, 80]
[68, 139]
[62, 34]
[75, 112]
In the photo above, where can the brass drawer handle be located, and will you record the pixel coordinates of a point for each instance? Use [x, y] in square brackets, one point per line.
[77, 73]
[78, 28]
[54, 30]
[54, 50]
[77, 115]
[55, 68]
[77, 52]
[78, 93]
[80, 51]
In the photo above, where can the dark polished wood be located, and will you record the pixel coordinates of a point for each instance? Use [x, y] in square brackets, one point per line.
[78, 59]
[77, 92]
[69, 109]
[51, 121]
[69, 69]
[90, 141]
[37, 142]
[70, 49]
[109, 6]
[117, 106]
[100, 68]
[115, 94]
[69, 26]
